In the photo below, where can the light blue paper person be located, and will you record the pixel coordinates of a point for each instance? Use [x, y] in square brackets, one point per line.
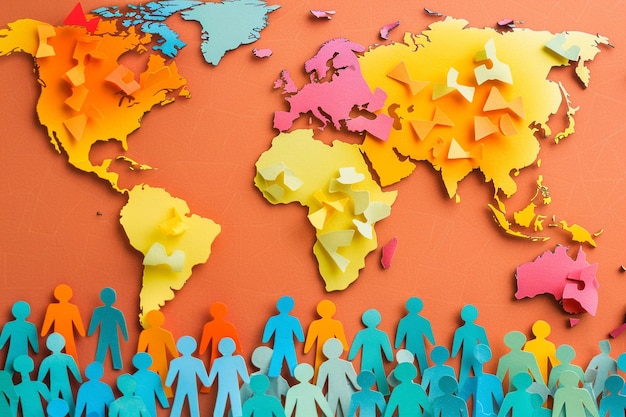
[57, 407]
[303, 398]
[111, 322]
[448, 404]
[414, 330]
[613, 403]
[339, 377]
[283, 327]
[367, 401]
[29, 393]
[261, 404]
[94, 396]
[261, 357]
[187, 370]
[129, 404]
[373, 344]
[408, 399]
[58, 366]
[19, 334]
[600, 368]
[431, 376]
[465, 339]
[484, 389]
[228, 369]
[149, 387]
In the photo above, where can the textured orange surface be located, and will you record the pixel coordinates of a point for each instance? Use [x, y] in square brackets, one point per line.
[204, 150]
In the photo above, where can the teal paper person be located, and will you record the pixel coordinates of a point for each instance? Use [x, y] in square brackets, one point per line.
[57, 407]
[260, 404]
[59, 366]
[228, 369]
[94, 396]
[261, 357]
[149, 387]
[366, 401]
[486, 389]
[431, 376]
[284, 328]
[465, 339]
[20, 335]
[414, 329]
[517, 360]
[8, 397]
[537, 400]
[304, 398]
[600, 368]
[373, 344]
[111, 322]
[518, 403]
[128, 405]
[187, 369]
[448, 404]
[408, 399]
[29, 392]
[571, 401]
[340, 376]
[402, 355]
[613, 404]
[565, 354]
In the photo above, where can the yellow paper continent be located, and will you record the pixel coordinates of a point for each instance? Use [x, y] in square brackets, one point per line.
[344, 201]
[171, 240]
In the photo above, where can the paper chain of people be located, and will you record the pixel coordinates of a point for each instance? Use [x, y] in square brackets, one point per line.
[535, 373]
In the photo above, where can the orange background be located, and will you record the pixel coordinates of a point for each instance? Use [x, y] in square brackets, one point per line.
[205, 148]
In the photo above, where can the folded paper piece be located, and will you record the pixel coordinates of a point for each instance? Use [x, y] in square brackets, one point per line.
[388, 252]
[157, 255]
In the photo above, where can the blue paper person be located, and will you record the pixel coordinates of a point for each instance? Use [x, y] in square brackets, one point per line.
[59, 366]
[600, 368]
[57, 407]
[431, 376]
[111, 322]
[367, 401]
[149, 386]
[614, 403]
[20, 335]
[228, 369]
[261, 404]
[94, 396]
[29, 392]
[465, 339]
[486, 389]
[373, 344]
[415, 329]
[187, 369]
[448, 404]
[284, 328]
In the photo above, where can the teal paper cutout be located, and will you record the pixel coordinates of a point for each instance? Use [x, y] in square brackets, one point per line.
[565, 354]
[373, 344]
[366, 401]
[340, 376]
[8, 397]
[261, 404]
[304, 397]
[486, 389]
[29, 392]
[613, 404]
[465, 339]
[228, 369]
[571, 401]
[408, 398]
[449, 404]
[402, 356]
[600, 368]
[57, 407]
[149, 386]
[430, 379]
[128, 405]
[94, 396]
[284, 328]
[111, 322]
[278, 387]
[519, 402]
[517, 361]
[19, 334]
[414, 329]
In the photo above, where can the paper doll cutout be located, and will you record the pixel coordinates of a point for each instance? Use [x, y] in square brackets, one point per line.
[366, 401]
[128, 405]
[57, 407]
[402, 356]
[518, 402]
[602, 366]
[284, 328]
[149, 385]
[543, 349]
[58, 366]
[8, 397]
[449, 404]
[517, 360]
[340, 376]
[536, 400]
[565, 354]
[323, 329]
[613, 404]
[486, 389]
[373, 344]
[304, 397]
[228, 369]
[431, 376]
[261, 404]
[111, 322]
[187, 369]
[65, 318]
[261, 357]
[414, 329]
[408, 398]
[159, 343]
[19, 334]
[29, 392]
[570, 400]
[465, 339]
[94, 396]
